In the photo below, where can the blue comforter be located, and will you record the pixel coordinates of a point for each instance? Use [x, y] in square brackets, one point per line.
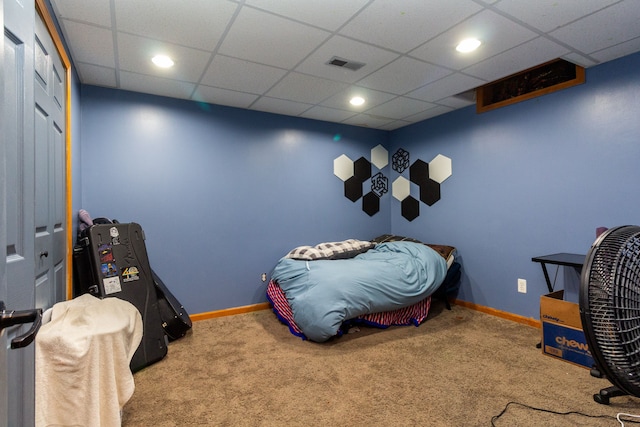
[324, 293]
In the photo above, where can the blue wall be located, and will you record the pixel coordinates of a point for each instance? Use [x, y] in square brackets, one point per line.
[221, 193]
[534, 178]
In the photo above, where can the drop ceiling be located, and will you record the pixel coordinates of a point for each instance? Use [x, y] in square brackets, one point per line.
[274, 55]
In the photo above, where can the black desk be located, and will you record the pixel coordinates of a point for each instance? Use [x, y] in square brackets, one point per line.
[567, 260]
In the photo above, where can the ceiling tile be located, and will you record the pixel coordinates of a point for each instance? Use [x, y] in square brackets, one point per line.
[135, 55]
[303, 88]
[496, 33]
[253, 37]
[445, 87]
[403, 75]
[617, 51]
[372, 98]
[342, 47]
[366, 120]
[432, 112]
[327, 14]
[99, 13]
[456, 102]
[400, 107]
[608, 27]
[218, 96]
[401, 26]
[97, 75]
[396, 124]
[156, 85]
[580, 59]
[547, 15]
[200, 25]
[530, 54]
[94, 45]
[327, 114]
[241, 75]
[280, 106]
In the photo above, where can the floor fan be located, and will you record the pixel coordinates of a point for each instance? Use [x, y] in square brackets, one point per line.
[610, 309]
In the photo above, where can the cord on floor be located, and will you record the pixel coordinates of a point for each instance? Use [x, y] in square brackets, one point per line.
[622, 414]
[496, 417]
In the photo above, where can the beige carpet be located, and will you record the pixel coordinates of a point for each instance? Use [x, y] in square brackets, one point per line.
[459, 368]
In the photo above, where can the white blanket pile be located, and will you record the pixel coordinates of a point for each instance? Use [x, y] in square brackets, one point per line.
[82, 361]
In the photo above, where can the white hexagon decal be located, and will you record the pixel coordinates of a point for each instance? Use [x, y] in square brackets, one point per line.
[401, 188]
[440, 168]
[379, 156]
[343, 167]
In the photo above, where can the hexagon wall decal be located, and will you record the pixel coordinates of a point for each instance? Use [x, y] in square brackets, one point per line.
[428, 177]
[429, 192]
[362, 169]
[419, 172]
[401, 188]
[353, 189]
[410, 208]
[371, 203]
[379, 156]
[440, 168]
[343, 167]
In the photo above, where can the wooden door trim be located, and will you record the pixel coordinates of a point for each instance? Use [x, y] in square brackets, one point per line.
[43, 11]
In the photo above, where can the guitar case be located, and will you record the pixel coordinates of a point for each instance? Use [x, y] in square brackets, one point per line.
[175, 319]
[110, 260]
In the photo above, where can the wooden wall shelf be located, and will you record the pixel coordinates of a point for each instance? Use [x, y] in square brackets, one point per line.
[537, 81]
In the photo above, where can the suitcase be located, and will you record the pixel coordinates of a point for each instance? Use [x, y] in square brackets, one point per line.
[110, 260]
[175, 319]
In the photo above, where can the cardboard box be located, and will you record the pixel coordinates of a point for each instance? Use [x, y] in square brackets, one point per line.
[562, 333]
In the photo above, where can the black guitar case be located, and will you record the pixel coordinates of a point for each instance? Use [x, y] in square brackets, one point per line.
[175, 319]
[111, 260]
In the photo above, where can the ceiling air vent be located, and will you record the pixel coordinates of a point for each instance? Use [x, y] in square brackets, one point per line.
[345, 63]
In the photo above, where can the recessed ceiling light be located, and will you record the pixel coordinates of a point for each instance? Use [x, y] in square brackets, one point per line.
[357, 101]
[162, 61]
[468, 45]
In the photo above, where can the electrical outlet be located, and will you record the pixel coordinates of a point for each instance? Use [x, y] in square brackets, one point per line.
[522, 286]
[263, 277]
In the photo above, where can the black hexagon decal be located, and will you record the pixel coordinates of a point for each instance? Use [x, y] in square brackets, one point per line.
[371, 203]
[410, 208]
[362, 169]
[429, 192]
[353, 189]
[419, 172]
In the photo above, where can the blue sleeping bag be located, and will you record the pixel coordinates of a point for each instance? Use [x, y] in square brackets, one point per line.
[324, 293]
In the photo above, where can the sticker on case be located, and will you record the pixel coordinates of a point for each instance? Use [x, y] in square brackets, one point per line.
[105, 252]
[109, 269]
[111, 285]
[115, 235]
[129, 274]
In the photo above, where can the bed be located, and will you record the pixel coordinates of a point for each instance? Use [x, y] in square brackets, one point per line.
[321, 291]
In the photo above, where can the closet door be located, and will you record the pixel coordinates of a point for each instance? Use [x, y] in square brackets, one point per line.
[50, 171]
[32, 187]
[17, 288]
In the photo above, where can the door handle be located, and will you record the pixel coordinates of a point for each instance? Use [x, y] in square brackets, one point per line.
[13, 317]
